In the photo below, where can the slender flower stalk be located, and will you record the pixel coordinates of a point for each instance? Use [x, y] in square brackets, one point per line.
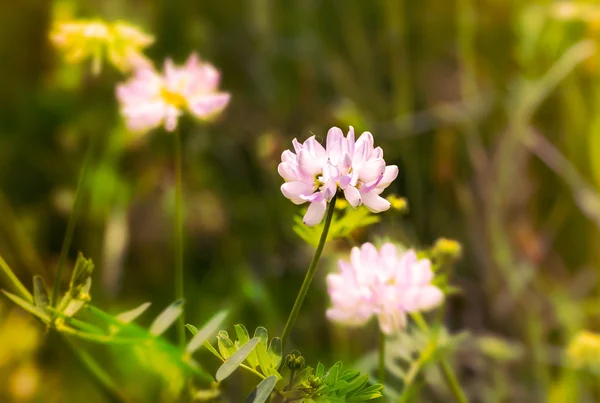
[310, 274]
[447, 371]
[382, 340]
[72, 219]
[179, 237]
[18, 286]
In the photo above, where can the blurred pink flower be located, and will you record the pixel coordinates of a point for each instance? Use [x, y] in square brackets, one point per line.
[315, 174]
[381, 283]
[150, 99]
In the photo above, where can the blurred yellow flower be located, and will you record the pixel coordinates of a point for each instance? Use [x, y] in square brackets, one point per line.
[19, 338]
[584, 350]
[119, 43]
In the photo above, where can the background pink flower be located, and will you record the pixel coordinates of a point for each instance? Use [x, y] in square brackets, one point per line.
[381, 283]
[150, 99]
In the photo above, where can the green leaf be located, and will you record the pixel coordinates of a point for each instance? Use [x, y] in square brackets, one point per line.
[355, 385]
[263, 390]
[263, 358]
[40, 293]
[320, 370]
[131, 315]
[235, 360]
[32, 309]
[166, 318]
[207, 330]
[81, 274]
[193, 329]
[275, 353]
[226, 346]
[210, 348]
[262, 333]
[242, 334]
[243, 337]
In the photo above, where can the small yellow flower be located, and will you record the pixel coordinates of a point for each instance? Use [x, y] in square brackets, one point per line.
[119, 43]
[446, 251]
[584, 350]
[398, 203]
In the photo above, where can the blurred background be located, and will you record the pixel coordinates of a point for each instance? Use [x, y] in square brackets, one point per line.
[490, 108]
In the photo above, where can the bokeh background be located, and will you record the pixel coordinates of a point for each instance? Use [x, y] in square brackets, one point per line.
[490, 108]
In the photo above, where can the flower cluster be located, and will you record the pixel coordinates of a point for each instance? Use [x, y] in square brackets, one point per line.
[314, 173]
[383, 283]
[150, 99]
[119, 42]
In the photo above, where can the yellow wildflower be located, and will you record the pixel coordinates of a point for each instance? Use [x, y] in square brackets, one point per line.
[119, 43]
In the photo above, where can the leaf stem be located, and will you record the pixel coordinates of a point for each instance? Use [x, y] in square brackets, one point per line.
[72, 219]
[179, 236]
[310, 274]
[382, 340]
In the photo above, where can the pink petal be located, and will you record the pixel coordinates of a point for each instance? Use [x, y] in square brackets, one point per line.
[372, 170]
[389, 175]
[207, 106]
[334, 144]
[350, 141]
[353, 196]
[293, 190]
[391, 321]
[389, 254]
[375, 203]
[363, 148]
[287, 172]
[308, 164]
[315, 213]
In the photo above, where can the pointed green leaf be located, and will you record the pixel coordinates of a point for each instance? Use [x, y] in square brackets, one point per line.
[242, 334]
[32, 309]
[263, 358]
[193, 329]
[263, 390]
[40, 293]
[210, 348]
[133, 314]
[263, 335]
[320, 370]
[235, 360]
[226, 346]
[355, 385]
[243, 337]
[166, 318]
[275, 354]
[207, 330]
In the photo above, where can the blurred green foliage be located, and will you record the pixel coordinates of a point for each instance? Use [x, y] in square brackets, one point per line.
[489, 108]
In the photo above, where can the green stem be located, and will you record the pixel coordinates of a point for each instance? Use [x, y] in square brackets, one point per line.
[96, 370]
[447, 371]
[382, 357]
[310, 274]
[72, 220]
[179, 237]
[22, 290]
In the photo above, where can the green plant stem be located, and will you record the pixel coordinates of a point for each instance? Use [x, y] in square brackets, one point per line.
[18, 286]
[447, 371]
[72, 219]
[179, 237]
[310, 274]
[95, 369]
[382, 341]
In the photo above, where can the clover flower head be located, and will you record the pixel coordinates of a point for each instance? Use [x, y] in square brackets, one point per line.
[150, 99]
[383, 283]
[119, 42]
[315, 174]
